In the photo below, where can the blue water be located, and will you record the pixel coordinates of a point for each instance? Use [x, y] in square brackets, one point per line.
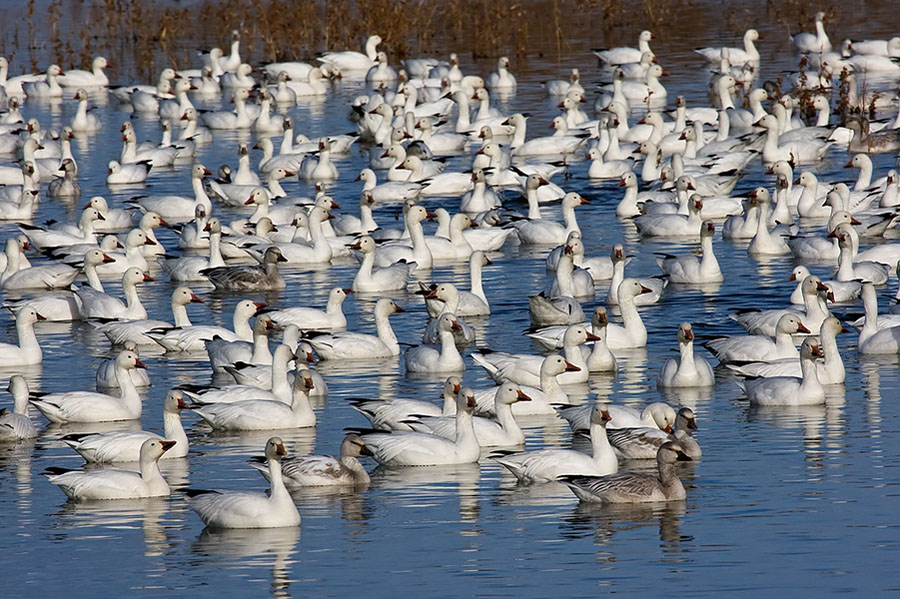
[783, 500]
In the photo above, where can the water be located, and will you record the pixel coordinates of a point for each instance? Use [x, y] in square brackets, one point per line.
[800, 500]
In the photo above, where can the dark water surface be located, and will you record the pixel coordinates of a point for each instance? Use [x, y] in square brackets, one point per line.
[783, 500]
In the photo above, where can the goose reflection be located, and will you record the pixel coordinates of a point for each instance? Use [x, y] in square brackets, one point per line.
[112, 518]
[250, 549]
[689, 397]
[603, 521]
[428, 485]
[299, 441]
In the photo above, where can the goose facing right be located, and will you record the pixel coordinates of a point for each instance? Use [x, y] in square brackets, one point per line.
[634, 487]
[242, 509]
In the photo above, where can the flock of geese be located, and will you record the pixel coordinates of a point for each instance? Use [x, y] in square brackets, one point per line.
[688, 162]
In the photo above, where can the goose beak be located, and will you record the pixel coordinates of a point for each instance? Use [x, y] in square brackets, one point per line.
[592, 337]
[148, 277]
[668, 429]
[689, 335]
[802, 329]
[260, 305]
[181, 404]
[793, 277]
[470, 401]
[456, 387]
[347, 290]
[692, 424]
[521, 395]
[139, 364]
[310, 358]
[196, 300]
[40, 316]
[309, 383]
[646, 289]
[456, 326]
[107, 259]
[280, 450]
[167, 445]
[571, 367]
[604, 414]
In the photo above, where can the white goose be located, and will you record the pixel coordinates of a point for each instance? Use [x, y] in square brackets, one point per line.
[504, 431]
[93, 78]
[632, 332]
[373, 280]
[437, 358]
[841, 291]
[96, 304]
[126, 446]
[416, 249]
[691, 269]
[447, 298]
[90, 406]
[830, 372]
[655, 285]
[873, 338]
[264, 414]
[525, 369]
[120, 332]
[28, 351]
[409, 448]
[848, 270]
[180, 208]
[222, 352]
[356, 346]
[760, 348]
[187, 268]
[242, 509]
[192, 339]
[788, 390]
[107, 483]
[657, 414]
[814, 312]
[330, 319]
[542, 398]
[17, 425]
[547, 464]
[394, 414]
[689, 370]
[545, 232]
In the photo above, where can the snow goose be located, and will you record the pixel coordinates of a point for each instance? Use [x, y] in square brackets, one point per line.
[277, 387]
[239, 79]
[447, 298]
[873, 337]
[156, 155]
[764, 243]
[632, 332]
[410, 448]
[817, 43]
[655, 285]
[848, 270]
[330, 319]
[450, 244]
[127, 174]
[525, 369]
[542, 397]
[691, 269]
[44, 276]
[799, 152]
[672, 225]
[569, 280]
[607, 169]
[353, 63]
[131, 257]
[222, 352]
[810, 203]
[643, 443]
[17, 425]
[689, 370]
[788, 390]
[634, 487]
[437, 358]
[622, 55]
[241, 118]
[391, 191]
[264, 414]
[319, 168]
[481, 197]
[504, 431]
[125, 446]
[736, 56]
[841, 291]
[119, 332]
[249, 277]
[760, 348]
[106, 371]
[64, 306]
[381, 71]
[546, 465]
[545, 232]
[393, 414]
[96, 304]
[179, 208]
[187, 268]
[108, 483]
[191, 339]
[814, 312]
[316, 251]
[46, 89]
[350, 224]
[830, 372]
[637, 71]
[242, 509]
[323, 470]
[502, 79]
[84, 121]
[93, 78]
[90, 406]
[372, 280]
[355, 346]
[560, 310]
[657, 414]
